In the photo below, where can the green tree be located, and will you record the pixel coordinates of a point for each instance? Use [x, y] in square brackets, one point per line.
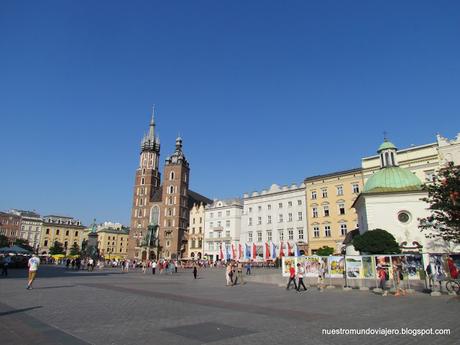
[325, 251]
[20, 242]
[75, 249]
[444, 200]
[57, 248]
[4, 241]
[376, 241]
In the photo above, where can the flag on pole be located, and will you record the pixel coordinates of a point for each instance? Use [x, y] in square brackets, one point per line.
[267, 251]
[247, 254]
[273, 251]
[281, 249]
[221, 253]
[296, 250]
[233, 252]
[240, 251]
[254, 251]
[289, 249]
[227, 252]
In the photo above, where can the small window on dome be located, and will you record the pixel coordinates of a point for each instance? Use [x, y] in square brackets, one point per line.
[404, 217]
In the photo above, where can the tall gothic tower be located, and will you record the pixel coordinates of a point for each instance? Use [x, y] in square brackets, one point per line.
[175, 207]
[146, 184]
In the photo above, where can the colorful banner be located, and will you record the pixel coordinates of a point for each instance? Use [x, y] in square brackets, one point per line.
[336, 265]
[312, 265]
[281, 250]
[353, 267]
[247, 252]
[273, 251]
[413, 267]
[286, 263]
[382, 263]
[438, 264]
[368, 271]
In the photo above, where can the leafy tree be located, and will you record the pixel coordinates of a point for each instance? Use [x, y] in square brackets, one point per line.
[20, 242]
[75, 249]
[4, 241]
[325, 251]
[376, 241]
[84, 244]
[444, 200]
[57, 248]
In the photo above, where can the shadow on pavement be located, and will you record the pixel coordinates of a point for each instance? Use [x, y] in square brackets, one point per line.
[4, 313]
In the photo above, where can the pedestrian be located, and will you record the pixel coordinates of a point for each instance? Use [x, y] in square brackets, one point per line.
[429, 274]
[229, 274]
[78, 263]
[234, 274]
[397, 279]
[33, 264]
[291, 277]
[321, 279]
[175, 266]
[6, 263]
[195, 271]
[248, 268]
[67, 264]
[144, 267]
[240, 272]
[300, 276]
[72, 263]
[154, 266]
[382, 279]
[90, 264]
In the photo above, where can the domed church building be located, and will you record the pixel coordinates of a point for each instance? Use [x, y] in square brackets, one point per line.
[391, 200]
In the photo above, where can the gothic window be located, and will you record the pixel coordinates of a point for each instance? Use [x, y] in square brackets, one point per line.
[171, 189]
[171, 176]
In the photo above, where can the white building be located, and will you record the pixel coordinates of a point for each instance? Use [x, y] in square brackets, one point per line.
[31, 226]
[391, 200]
[276, 215]
[222, 227]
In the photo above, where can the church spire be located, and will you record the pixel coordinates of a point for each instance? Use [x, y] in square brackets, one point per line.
[152, 124]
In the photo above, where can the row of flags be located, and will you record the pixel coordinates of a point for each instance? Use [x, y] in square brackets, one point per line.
[270, 251]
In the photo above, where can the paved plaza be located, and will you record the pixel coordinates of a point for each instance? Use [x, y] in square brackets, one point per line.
[110, 307]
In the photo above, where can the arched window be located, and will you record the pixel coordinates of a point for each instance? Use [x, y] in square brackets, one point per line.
[171, 189]
[387, 159]
[155, 215]
[171, 175]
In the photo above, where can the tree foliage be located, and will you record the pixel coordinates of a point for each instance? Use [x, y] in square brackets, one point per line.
[57, 248]
[444, 200]
[75, 249]
[20, 242]
[325, 251]
[4, 241]
[376, 241]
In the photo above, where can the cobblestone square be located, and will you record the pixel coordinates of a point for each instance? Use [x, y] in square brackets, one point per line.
[110, 307]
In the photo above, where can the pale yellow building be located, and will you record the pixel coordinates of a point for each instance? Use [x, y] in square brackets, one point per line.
[66, 230]
[329, 212]
[195, 232]
[113, 243]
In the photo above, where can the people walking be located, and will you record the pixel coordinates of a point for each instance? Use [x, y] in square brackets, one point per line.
[154, 266]
[33, 264]
[300, 276]
[248, 268]
[291, 278]
[6, 263]
[144, 267]
[240, 272]
[229, 274]
[382, 279]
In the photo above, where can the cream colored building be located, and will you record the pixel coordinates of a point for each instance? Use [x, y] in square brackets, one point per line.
[329, 212]
[113, 242]
[66, 230]
[195, 232]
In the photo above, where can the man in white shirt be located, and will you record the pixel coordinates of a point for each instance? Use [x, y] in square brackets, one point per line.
[300, 276]
[33, 264]
[154, 266]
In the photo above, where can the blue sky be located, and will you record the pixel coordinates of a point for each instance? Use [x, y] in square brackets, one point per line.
[262, 92]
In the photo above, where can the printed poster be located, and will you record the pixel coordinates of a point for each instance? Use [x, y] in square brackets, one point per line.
[353, 267]
[382, 263]
[287, 262]
[368, 271]
[438, 265]
[336, 266]
[413, 267]
[312, 265]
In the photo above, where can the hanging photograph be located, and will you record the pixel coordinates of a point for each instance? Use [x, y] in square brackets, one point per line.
[336, 266]
[368, 271]
[353, 266]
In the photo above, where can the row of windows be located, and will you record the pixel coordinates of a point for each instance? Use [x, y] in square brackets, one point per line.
[327, 230]
[199, 230]
[280, 219]
[66, 244]
[218, 234]
[219, 224]
[193, 220]
[290, 233]
[219, 214]
[196, 244]
[339, 191]
[67, 233]
[280, 205]
[326, 211]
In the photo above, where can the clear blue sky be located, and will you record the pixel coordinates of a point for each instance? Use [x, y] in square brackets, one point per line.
[262, 92]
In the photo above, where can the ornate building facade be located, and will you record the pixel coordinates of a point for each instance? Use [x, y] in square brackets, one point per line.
[165, 207]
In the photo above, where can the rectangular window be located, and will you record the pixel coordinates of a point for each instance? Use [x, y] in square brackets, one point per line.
[259, 208]
[219, 223]
[211, 215]
[299, 216]
[269, 235]
[341, 208]
[300, 230]
[316, 231]
[227, 233]
[227, 213]
[47, 231]
[339, 190]
[280, 218]
[326, 210]
[269, 220]
[250, 209]
[324, 192]
[259, 220]
[291, 234]
[281, 234]
[227, 223]
[219, 214]
[269, 207]
[250, 221]
[314, 211]
[313, 195]
[343, 229]
[289, 217]
[299, 202]
[259, 236]
[289, 203]
[355, 187]
[250, 236]
[327, 230]
[280, 205]
[45, 243]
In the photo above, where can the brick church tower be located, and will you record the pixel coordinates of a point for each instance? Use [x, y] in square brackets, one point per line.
[146, 185]
[175, 203]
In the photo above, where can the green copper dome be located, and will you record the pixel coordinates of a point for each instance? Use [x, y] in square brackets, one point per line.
[392, 179]
[386, 145]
